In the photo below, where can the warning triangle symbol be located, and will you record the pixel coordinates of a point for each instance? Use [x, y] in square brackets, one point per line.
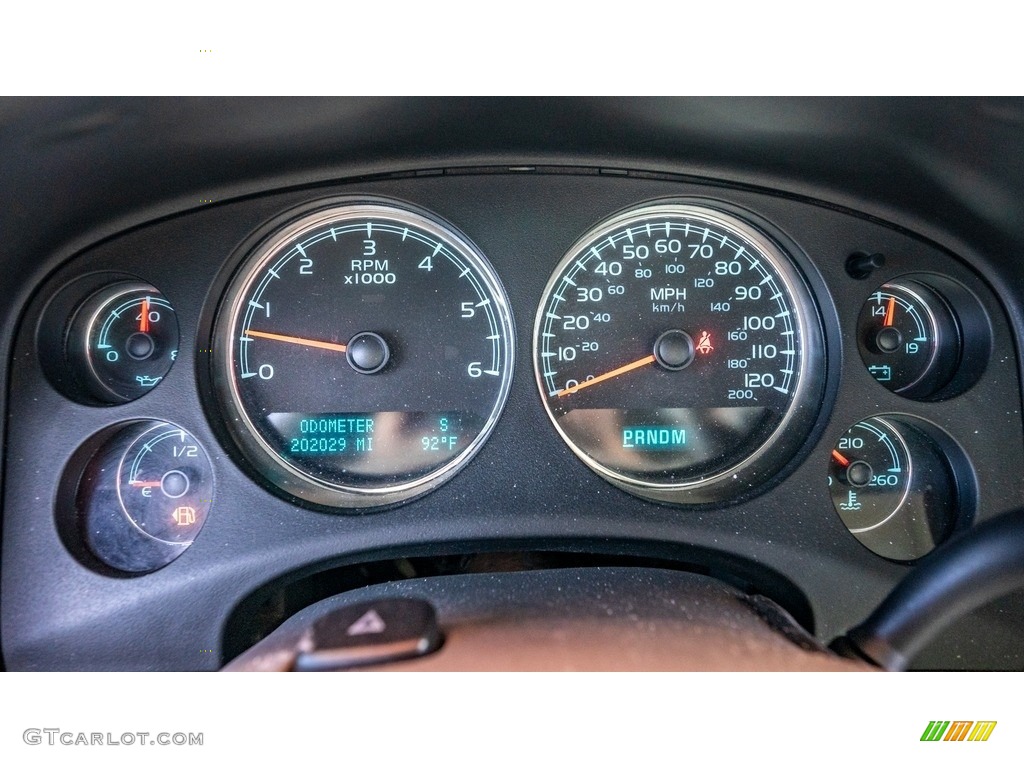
[370, 623]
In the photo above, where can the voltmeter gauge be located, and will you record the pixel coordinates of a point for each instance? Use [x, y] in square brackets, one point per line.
[908, 339]
[679, 353]
[893, 483]
[122, 341]
[144, 496]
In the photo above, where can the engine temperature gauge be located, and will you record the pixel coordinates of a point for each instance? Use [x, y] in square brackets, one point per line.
[894, 487]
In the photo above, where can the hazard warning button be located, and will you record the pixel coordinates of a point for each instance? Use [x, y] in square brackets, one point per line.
[370, 633]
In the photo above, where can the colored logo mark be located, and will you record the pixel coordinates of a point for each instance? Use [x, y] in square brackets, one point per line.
[958, 730]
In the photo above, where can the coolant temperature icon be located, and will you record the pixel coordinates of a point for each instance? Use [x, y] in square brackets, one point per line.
[851, 504]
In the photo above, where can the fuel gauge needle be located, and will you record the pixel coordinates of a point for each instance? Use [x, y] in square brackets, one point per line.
[146, 484]
[605, 376]
[297, 340]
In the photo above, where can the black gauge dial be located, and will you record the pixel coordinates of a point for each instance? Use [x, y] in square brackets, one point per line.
[123, 341]
[892, 482]
[908, 339]
[145, 495]
[363, 354]
[871, 474]
[678, 352]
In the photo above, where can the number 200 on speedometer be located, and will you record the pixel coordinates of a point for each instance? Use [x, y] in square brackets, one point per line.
[679, 353]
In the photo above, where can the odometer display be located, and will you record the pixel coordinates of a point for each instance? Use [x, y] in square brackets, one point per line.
[671, 351]
[363, 354]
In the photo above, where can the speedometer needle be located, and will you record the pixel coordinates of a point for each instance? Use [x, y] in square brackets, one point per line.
[605, 376]
[297, 340]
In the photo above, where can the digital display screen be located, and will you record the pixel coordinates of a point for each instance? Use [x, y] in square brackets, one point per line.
[653, 438]
[381, 444]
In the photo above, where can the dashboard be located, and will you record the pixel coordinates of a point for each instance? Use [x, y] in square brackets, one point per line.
[253, 363]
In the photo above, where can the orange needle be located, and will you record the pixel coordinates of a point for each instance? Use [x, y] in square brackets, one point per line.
[840, 458]
[144, 320]
[296, 340]
[148, 484]
[605, 376]
[890, 311]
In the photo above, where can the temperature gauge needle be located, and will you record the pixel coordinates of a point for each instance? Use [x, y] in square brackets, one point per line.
[840, 458]
[605, 376]
[297, 340]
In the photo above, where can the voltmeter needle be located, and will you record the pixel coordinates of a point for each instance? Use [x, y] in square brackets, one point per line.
[297, 340]
[890, 311]
[605, 376]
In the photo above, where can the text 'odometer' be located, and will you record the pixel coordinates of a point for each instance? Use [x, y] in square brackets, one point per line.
[671, 350]
[363, 354]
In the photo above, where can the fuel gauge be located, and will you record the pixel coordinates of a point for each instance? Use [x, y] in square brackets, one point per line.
[144, 496]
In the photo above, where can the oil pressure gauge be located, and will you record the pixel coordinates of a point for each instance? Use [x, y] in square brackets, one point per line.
[122, 341]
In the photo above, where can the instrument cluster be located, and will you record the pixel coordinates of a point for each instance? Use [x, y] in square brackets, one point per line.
[545, 356]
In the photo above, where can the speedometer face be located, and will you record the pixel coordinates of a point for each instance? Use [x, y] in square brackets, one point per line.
[363, 354]
[673, 350]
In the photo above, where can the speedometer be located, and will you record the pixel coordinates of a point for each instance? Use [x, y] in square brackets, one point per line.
[362, 354]
[679, 353]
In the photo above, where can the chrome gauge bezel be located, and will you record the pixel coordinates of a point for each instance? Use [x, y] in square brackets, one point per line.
[260, 454]
[754, 472]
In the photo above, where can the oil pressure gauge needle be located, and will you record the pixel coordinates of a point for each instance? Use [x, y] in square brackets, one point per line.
[298, 340]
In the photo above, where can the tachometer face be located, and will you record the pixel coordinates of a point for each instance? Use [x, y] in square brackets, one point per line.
[671, 351]
[363, 354]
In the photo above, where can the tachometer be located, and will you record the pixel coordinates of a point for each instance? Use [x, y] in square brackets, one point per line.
[679, 353]
[363, 354]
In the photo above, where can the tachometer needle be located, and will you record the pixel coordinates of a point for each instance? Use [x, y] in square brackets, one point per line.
[890, 311]
[605, 376]
[840, 458]
[297, 340]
